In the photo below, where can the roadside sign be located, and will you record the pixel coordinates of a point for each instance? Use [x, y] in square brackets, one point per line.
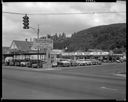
[43, 43]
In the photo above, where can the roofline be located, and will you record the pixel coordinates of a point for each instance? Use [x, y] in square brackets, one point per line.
[11, 44]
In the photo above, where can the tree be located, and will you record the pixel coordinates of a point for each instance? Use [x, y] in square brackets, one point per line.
[63, 35]
[49, 36]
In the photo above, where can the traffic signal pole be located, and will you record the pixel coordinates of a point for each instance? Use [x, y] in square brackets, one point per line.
[26, 22]
[38, 47]
[26, 26]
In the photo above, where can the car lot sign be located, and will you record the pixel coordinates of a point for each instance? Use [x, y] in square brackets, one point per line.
[42, 44]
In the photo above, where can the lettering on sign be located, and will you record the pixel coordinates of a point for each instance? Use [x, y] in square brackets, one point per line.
[42, 43]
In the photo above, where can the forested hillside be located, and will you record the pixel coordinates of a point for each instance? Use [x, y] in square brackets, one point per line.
[105, 37]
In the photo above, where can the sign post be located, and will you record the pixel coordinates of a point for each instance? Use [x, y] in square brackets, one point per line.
[38, 47]
[42, 44]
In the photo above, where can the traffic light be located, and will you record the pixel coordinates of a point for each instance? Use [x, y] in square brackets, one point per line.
[26, 22]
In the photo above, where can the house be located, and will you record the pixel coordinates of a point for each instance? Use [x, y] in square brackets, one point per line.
[28, 49]
[19, 48]
[23, 46]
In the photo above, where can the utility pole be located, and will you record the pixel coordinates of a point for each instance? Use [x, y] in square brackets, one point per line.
[38, 46]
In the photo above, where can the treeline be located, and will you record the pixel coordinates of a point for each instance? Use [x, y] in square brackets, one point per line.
[105, 37]
[60, 41]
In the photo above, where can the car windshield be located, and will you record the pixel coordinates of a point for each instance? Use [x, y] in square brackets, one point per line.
[88, 59]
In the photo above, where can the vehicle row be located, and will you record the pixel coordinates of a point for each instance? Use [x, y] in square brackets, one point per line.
[79, 62]
[25, 63]
[59, 63]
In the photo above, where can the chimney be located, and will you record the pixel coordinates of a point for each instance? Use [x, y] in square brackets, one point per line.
[26, 39]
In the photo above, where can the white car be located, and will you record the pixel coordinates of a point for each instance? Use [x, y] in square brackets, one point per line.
[7, 59]
[23, 64]
[80, 62]
[88, 62]
[54, 64]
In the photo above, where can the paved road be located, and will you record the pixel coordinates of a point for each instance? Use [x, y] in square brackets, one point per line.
[89, 82]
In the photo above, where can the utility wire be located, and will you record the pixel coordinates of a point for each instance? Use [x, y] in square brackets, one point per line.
[60, 13]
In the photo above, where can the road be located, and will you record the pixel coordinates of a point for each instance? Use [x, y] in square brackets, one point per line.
[90, 82]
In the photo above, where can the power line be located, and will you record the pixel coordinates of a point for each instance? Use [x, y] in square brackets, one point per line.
[60, 13]
[14, 13]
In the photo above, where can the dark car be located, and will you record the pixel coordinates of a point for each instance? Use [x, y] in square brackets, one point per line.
[35, 64]
[73, 63]
[17, 63]
[64, 63]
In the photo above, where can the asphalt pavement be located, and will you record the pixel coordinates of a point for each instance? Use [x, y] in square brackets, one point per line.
[89, 82]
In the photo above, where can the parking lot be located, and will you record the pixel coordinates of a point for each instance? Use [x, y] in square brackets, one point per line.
[59, 62]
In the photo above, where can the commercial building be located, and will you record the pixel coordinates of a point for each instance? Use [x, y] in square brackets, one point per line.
[42, 49]
[26, 50]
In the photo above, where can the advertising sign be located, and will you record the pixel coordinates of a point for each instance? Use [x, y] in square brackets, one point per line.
[42, 43]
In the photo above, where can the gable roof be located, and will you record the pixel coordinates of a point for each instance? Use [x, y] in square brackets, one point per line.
[23, 45]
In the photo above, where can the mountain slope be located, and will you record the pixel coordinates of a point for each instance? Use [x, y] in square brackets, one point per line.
[106, 37]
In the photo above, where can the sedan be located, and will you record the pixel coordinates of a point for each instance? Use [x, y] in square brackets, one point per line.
[64, 63]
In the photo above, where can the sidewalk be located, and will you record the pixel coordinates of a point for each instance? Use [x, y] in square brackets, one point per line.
[26, 68]
[122, 75]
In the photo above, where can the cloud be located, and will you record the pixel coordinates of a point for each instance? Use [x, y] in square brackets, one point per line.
[50, 24]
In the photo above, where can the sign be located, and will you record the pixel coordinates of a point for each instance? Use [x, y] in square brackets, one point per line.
[42, 44]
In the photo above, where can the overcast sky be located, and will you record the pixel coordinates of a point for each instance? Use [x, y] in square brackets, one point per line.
[12, 24]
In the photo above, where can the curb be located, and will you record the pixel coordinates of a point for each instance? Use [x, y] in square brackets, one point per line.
[122, 75]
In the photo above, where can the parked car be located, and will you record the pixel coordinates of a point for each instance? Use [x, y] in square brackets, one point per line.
[34, 64]
[73, 63]
[95, 62]
[64, 63]
[54, 64]
[105, 61]
[88, 62]
[80, 62]
[24, 63]
[17, 63]
[119, 61]
[11, 63]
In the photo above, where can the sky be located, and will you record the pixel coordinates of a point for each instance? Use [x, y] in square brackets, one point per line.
[12, 24]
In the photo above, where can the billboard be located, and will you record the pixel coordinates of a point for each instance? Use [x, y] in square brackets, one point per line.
[42, 44]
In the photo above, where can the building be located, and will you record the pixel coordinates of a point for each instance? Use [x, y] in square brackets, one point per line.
[20, 49]
[5, 50]
[37, 49]
[20, 46]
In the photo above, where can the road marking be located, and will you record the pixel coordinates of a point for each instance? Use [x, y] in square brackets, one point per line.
[103, 87]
